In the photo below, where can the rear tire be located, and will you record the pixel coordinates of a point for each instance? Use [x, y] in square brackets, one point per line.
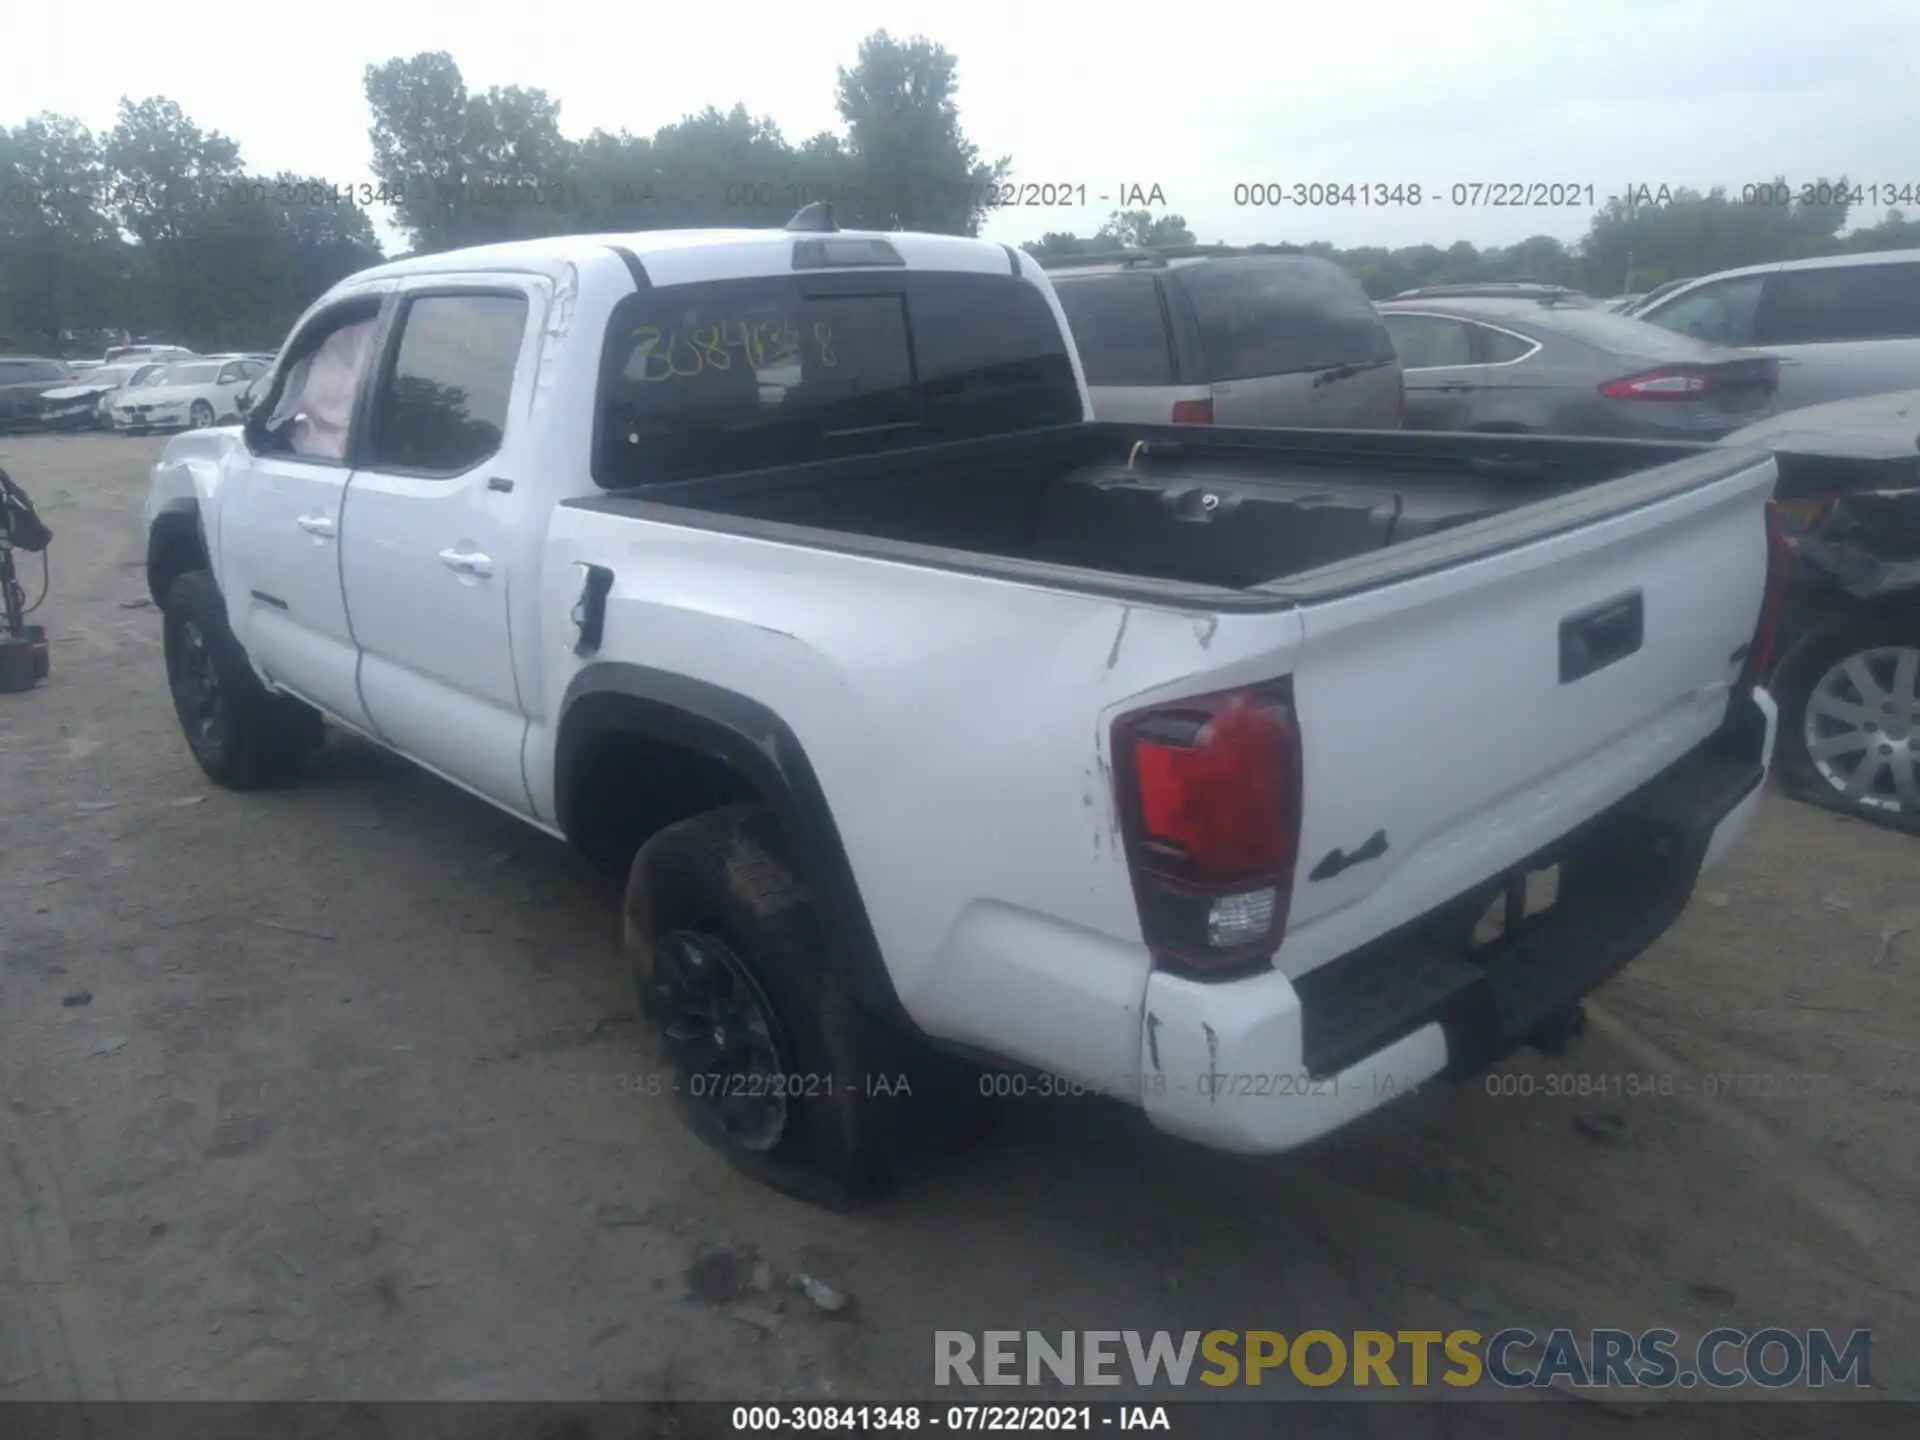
[243, 736]
[1824, 706]
[770, 1060]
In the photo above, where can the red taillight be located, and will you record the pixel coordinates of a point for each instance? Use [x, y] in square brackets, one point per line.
[1193, 412]
[1680, 382]
[1759, 657]
[1210, 799]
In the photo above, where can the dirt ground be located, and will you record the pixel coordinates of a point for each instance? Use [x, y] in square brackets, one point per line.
[328, 1093]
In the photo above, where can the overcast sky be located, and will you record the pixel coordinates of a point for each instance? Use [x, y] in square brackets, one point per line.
[1194, 100]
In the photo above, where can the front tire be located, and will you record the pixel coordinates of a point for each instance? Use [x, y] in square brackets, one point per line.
[243, 736]
[1850, 722]
[770, 1061]
[199, 415]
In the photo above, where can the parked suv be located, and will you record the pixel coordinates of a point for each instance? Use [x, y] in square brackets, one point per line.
[1286, 340]
[1841, 325]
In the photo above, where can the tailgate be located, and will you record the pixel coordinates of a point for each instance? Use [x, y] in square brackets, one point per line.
[1477, 709]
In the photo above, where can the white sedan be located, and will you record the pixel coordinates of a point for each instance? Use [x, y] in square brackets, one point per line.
[188, 396]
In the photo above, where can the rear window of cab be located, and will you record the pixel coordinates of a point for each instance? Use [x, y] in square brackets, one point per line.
[729, 376]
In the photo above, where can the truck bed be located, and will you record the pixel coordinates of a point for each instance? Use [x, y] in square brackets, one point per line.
[1217, 508]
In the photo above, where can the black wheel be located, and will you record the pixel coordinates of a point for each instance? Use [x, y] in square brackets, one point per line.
[1850, 721]
[770, 1061]
[244, 736]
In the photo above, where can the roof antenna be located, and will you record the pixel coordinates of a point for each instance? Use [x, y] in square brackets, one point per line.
[817, 216]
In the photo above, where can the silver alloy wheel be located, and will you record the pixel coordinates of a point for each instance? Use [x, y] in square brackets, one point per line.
[1863, 728]
[199, 415]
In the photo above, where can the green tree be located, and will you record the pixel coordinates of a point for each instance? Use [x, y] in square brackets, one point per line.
[163, 170]
[463, 168]
[60, 265]
[1647, 237]
[912, 164]
[1141, 229]
[1058, 245]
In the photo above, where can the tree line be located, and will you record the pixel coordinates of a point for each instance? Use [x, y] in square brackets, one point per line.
[158, 227]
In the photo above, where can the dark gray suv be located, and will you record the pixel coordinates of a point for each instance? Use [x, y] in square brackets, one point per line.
[1228, 339]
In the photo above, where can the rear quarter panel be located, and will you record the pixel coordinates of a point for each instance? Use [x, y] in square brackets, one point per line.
[958, 726]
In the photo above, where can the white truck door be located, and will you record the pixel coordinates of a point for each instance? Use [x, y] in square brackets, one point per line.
[429, 525]
[280, 515]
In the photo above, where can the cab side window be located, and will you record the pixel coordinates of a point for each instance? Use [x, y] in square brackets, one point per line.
[1430, 342]
[442, 409]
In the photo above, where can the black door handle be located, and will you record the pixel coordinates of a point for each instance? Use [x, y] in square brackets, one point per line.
[1596, 638]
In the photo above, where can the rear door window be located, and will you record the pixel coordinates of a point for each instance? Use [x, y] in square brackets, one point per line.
[1840, 302]
[1502, 347]
[1281, 314]
[736, 375]
[443, 407]
[1430, 342]
[1119, 327]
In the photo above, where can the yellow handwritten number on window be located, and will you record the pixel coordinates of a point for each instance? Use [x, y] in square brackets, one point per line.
[712, 352]
[763, 343]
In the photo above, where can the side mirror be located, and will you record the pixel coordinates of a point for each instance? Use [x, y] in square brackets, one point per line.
[243, 402]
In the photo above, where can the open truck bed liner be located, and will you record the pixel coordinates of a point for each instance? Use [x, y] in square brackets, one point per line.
[1123, 509]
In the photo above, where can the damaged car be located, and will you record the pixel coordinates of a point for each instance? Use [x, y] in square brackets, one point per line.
[1848, 676]
[82, 405]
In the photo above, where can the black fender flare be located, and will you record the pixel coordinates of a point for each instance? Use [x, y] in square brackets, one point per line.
[741, 733]
[176, 531]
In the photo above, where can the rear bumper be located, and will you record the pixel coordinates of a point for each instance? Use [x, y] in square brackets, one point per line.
[1268, 1063]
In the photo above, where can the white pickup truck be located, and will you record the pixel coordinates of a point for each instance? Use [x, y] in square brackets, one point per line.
[1212, 770]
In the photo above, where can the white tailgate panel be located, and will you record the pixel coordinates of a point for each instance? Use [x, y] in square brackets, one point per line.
[1433, 709]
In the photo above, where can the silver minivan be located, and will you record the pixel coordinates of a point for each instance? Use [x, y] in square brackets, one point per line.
[1212, 339]
[1840, 325]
